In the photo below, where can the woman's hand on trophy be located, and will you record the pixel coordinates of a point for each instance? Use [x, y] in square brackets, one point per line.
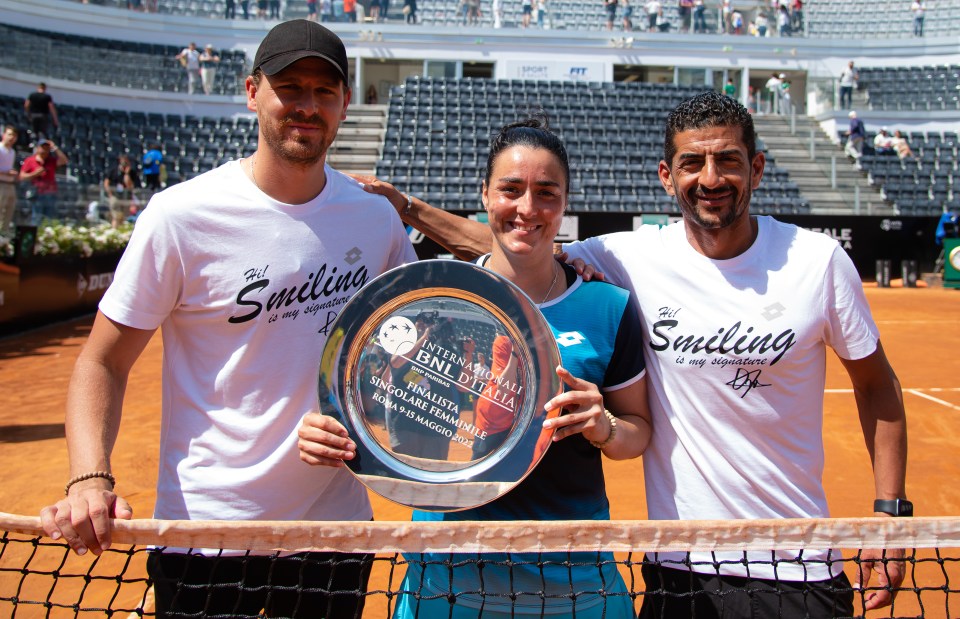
[323, 441]
[584, 414]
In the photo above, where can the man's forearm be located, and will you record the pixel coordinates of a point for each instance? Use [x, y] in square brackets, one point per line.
[94, 403]
[885, 432]
[465, 238]
[889, 450]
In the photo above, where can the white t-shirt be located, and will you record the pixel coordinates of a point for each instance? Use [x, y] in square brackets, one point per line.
[192, 57]
[736, 355]
[244, 289]
[848, 77]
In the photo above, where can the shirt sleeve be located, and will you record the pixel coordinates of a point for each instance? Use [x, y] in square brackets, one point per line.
[850, 329]
[148, 283]
[627, 364]
[600, 253]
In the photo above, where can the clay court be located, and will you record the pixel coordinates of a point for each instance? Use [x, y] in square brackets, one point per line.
[919, 330]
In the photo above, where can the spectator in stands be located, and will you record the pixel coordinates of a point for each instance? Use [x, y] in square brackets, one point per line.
[773, 88]
[371, 95]
[8, 177]
[245, 8]
[662, 24]
[786, 98]
[542, 21]
[312, 10]
[610, 7]
[703, 462]
[627, 12]
[730, 89]
[384, 9]
[230, 9]
[40, 169]
[848, 81]
[350, 11]
[796, 16]
[918, 10]
[40, 110]
[189, 58]
[373, 11]
[653, 10]
[699, 17]
[736, 22]
[496, 9]
[783, 21]
[262, 8]
[209, 60]
[274, 9]
[152, 160]
[726, 14]
[410, 11]
[901, 146]
[685, 10]
[762, 23]
[224, 404]
[120, 184]
[883, 142]
[473, 12]
[856, 134]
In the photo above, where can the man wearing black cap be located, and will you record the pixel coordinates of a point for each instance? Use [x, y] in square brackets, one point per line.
[244, 269]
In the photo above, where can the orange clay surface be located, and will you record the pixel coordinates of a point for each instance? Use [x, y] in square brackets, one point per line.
[920, 331]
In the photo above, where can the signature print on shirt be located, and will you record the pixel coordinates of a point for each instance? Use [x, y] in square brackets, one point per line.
[325, 287]
[737, 340]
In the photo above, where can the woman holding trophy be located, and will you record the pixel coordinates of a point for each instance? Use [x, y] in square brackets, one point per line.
[525, 193]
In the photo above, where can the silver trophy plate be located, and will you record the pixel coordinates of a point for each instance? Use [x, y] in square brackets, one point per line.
[435, 428]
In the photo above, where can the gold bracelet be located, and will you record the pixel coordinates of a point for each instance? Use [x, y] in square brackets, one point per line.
[96, 474]
[613, 431]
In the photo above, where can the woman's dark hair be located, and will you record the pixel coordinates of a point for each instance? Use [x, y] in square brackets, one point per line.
[533, 132]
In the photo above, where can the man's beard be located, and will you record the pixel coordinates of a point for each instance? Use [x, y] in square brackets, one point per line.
[301, 150]
[740, 203]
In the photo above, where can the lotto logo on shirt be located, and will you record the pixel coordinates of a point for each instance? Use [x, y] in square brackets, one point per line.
[570, 338]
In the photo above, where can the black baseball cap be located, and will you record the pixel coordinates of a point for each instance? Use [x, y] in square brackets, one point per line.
[293, 40]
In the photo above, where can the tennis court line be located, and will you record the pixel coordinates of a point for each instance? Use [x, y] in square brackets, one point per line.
[933, 399]
[916, 392]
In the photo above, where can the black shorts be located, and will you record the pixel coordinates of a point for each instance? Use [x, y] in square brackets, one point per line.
[313, 584]
[681, 594]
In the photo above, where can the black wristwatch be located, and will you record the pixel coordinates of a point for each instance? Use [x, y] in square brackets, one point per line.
[900, 508]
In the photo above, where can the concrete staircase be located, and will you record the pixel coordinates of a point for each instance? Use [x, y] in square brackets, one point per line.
[359, 142]
[791, 151]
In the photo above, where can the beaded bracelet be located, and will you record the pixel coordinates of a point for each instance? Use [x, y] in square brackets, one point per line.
[613, 431]
[96, 474]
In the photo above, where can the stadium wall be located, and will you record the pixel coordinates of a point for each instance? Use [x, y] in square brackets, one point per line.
[866, 238]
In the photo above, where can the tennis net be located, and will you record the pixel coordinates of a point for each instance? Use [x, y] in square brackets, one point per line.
[537, 567]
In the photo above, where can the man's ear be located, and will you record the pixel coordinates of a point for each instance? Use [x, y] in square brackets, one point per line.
[251, 89]
[666, 179]
[758, 164]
